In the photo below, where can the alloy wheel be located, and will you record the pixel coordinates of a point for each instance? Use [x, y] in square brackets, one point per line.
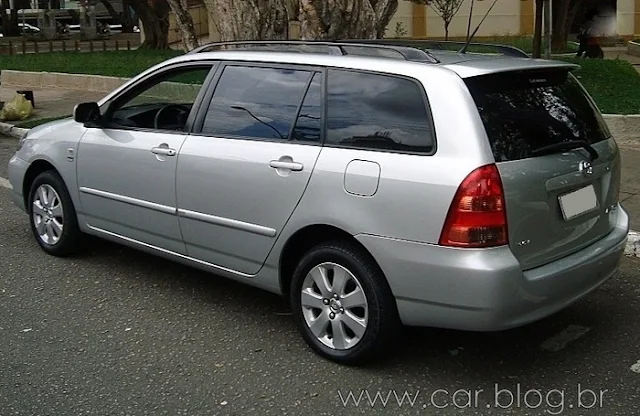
[48, 215]
[334, 306]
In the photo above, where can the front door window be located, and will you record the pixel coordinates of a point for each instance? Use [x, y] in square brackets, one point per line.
[163, 103]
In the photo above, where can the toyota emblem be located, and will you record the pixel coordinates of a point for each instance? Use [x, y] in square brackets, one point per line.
[585, 167]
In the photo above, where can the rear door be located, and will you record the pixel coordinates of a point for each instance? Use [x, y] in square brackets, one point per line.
[557, 200]
[241, 176]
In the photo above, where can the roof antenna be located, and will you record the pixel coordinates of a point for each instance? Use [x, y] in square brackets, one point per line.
[466, 45]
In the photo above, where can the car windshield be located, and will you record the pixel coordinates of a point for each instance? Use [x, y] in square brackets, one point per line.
[530, 110]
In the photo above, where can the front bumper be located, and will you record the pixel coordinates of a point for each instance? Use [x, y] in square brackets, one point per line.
[486, 289]
[17, 170]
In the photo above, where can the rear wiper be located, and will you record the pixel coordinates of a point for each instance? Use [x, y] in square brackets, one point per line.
[569, 145]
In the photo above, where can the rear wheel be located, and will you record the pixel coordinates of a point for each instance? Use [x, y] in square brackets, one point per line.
[342, 304]
[53, 217]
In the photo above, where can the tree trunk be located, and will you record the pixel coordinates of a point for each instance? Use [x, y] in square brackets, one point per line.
[537, 36]
[446, 30]
[559, 34]
[345, 19]
[111, 10]
[293, 9]
[127, 21]
[155, 22]
[9, 20]
[4, 17]
[573, 12]
[185, 23]
[249, 19]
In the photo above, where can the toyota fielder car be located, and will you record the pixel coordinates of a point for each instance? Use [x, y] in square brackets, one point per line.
[373, 186]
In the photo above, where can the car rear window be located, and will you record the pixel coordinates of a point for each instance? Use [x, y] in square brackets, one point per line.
[528, 110]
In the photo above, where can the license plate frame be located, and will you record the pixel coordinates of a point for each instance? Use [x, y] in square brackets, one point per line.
[579, 202]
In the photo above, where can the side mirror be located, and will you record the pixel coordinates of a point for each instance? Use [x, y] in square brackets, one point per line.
[86, 113]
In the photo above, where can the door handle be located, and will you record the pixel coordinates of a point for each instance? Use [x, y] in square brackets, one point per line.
[279, 164]
[164, 151]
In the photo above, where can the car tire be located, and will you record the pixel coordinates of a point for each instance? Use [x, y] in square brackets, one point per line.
[52, 215]
[336, 327]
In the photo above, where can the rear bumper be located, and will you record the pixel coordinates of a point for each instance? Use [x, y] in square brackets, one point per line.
[486, 290]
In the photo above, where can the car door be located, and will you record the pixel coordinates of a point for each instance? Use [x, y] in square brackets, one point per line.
[242, 176]
[126, 165]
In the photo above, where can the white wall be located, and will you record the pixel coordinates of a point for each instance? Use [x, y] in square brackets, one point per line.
[404, 17]
[626, 14]
[504, 19]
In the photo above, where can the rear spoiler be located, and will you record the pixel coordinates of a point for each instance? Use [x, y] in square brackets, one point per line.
[474, 68]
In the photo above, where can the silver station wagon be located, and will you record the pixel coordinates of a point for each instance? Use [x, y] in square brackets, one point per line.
[372, 185]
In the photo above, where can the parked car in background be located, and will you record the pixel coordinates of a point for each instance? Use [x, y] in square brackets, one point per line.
[27, 28]
[391, 186]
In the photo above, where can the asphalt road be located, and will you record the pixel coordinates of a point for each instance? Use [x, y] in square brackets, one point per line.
[118, 332]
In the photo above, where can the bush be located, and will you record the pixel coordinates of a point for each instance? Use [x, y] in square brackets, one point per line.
[614, 84]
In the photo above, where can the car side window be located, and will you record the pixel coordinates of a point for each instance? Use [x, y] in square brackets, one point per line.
[377, 112]
[163, 103]
[308, 125]
[255, 102]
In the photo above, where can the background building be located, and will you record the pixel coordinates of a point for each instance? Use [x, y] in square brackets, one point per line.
[508, 17]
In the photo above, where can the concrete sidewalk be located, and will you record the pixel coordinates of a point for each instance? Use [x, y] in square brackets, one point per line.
[621, 53]
[51, 102]
[630, 186]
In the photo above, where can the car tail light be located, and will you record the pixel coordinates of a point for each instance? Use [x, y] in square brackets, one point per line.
[477, 216]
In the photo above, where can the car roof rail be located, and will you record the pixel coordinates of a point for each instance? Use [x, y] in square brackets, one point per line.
[446, 45]
[357, 48]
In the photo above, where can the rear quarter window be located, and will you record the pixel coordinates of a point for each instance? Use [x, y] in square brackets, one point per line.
[377, 112]
[525, 111]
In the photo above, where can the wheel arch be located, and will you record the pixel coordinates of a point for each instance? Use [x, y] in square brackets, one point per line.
[302, 241]
[35, 168]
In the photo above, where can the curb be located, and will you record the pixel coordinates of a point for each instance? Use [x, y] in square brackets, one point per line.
[12, 131]
[632, 248]
[624, 127]
[633, 48]
[59, 80]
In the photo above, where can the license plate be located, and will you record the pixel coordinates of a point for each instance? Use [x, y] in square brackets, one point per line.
[578, 202]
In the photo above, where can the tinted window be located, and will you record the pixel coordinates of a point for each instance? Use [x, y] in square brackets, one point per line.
[527, 111]
[255, 102]
[170, 94]
[308, 127]
[377, 112]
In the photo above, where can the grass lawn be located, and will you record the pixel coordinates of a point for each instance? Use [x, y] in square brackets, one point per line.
[114, 63]
[526, 43]
[29, 124]
[613, 84]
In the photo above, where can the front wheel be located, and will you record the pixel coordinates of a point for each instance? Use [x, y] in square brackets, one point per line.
[342, 303]
[53, 217]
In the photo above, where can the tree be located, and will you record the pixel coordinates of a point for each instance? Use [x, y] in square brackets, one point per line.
[249, 19]
[154, 15]
[564, 14]
[10, 20]
[446, 9]
[185, 24]
[112, 11]
[537, 35]
[345, 19]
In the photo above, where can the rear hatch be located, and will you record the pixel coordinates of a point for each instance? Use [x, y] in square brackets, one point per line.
[559, 168]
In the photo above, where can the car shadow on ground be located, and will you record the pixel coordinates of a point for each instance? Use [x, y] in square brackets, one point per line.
[484, 356]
